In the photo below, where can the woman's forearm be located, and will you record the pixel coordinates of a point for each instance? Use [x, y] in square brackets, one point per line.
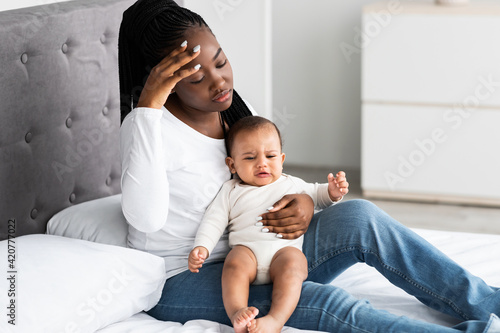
[145, 188]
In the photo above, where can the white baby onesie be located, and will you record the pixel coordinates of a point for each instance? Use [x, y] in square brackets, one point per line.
[237, 205]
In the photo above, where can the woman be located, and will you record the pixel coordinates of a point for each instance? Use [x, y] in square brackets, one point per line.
[177, 102]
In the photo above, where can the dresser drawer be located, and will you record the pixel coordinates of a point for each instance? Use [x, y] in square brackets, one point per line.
[432, 54]
[431, 153]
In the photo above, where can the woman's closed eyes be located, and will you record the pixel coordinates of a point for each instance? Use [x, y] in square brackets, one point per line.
[221, 65]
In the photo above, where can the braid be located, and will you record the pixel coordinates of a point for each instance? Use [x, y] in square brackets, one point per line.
[166, 31]
[237, 110]
[150, 29]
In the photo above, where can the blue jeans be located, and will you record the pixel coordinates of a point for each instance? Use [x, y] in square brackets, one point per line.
[338, 237]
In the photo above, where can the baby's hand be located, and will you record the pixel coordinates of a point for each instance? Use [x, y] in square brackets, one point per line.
[197, 258]
[337, 186]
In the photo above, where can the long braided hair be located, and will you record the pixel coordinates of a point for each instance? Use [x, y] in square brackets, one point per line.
[150, 29]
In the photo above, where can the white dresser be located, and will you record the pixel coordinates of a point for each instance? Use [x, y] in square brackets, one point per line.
[431, 102]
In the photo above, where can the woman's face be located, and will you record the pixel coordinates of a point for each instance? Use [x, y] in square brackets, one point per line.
[210, 88]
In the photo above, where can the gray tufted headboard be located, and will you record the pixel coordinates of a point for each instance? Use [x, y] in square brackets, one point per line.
[59, 109]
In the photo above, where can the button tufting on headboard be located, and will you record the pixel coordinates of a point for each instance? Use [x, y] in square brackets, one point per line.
[60, 95]
[34, 213]
[24, 58]
[28, 137]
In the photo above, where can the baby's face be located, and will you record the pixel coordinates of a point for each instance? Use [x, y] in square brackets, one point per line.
[256, 156]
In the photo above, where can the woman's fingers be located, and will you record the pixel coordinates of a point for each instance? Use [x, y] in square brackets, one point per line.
[286, 228]
[165, 79]
[183, 73]
[289, 217]
[176, 60]
[164, 76]
[177, 50]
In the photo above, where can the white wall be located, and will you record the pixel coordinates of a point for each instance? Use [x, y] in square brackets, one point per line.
[317, 88]
[243, 29]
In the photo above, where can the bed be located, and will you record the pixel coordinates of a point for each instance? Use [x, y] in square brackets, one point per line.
[65, 264]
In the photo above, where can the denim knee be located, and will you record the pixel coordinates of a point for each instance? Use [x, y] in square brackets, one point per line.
[353, 217]
[363, 209]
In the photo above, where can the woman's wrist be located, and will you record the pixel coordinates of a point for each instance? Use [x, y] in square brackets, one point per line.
[150, 105]
[151, 100]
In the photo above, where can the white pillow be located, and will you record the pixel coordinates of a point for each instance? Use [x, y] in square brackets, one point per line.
[99, 220]
[59, 284]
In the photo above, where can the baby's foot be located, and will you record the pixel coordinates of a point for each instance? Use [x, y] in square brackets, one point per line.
[266, 324]
[242, 318]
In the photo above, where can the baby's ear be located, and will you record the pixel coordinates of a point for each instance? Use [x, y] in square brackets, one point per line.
[230, 164]
[282, 158]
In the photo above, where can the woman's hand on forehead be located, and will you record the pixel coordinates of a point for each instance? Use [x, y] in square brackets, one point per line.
[164, 76]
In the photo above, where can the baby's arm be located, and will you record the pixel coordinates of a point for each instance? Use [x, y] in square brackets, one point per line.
[211, 228]
[197, 258]
[337, 186]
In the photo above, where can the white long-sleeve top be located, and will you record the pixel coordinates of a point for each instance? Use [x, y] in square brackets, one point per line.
[170, 174]
[237, 205]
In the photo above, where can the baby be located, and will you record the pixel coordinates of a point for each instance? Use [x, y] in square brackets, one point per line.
[257, 256]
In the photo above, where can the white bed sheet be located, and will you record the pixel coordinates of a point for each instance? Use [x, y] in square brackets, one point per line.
[143, 323]
[479, 253]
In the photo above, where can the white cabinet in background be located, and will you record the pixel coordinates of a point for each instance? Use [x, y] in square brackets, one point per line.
[431, 102]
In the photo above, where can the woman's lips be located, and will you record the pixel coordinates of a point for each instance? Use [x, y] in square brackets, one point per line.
[223, 96]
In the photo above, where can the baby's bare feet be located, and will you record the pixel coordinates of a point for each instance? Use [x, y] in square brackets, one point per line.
[242, 318]
[266, 324]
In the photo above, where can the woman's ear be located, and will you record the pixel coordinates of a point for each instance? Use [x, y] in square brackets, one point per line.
[230, 164]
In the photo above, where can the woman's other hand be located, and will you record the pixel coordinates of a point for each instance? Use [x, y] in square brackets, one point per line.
[289, 218]
[164, 76]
